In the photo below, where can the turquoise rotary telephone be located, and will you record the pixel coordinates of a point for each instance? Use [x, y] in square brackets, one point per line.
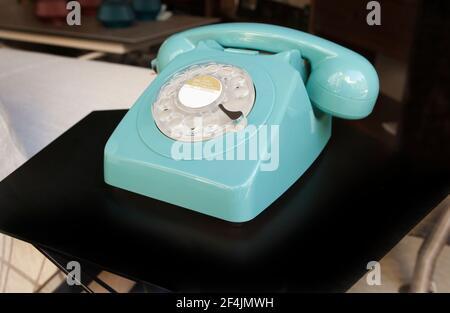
[236, 115]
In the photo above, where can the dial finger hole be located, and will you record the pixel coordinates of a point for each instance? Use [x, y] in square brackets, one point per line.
[212, 68]
[241, 92]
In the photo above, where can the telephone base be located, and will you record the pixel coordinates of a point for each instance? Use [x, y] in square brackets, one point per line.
[232, 190]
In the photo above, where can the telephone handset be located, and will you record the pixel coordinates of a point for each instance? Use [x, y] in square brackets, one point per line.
[235, 117]
[341, 82]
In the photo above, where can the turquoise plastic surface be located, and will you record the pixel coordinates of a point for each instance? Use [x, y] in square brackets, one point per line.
[138, 157]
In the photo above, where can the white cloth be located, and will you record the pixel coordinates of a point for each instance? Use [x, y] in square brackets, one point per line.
[10, 155]
[44, 95]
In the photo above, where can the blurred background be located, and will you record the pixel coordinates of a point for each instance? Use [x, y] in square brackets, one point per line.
[112, 50]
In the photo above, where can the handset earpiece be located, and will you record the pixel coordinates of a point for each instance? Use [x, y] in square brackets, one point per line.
[345, 86]
[341, 83]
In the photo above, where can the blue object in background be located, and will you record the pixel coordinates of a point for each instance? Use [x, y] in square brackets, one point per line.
[146, 9]
[341, 83]
[116, 13]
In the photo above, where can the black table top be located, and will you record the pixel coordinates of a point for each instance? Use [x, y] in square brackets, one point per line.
[352, 206]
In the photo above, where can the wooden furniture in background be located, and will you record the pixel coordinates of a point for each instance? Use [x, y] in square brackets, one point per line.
[18, 23]
[425, 127]
[345, 22]
[281, 13]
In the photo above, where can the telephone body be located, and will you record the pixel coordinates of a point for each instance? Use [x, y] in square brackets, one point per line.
[287, 78]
